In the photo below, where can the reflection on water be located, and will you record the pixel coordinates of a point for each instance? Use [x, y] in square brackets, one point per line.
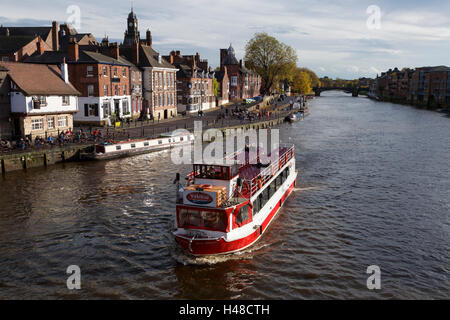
[373, 189]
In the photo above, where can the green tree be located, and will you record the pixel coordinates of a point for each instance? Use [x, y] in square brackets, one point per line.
[271, 59]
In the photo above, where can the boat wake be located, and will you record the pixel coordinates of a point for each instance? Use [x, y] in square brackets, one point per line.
[308, 188]
[184, 258]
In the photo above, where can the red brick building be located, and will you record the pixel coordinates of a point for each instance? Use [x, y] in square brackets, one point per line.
[244, 83]
[158, 75]
[430, 87]
[195, 90]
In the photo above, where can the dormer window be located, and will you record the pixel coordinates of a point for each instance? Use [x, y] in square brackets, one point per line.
[65, 100]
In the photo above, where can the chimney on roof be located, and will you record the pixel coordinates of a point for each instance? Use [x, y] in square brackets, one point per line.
[64, 71]
[7, 32]
[159, 58]
[178, 53]
[114, 50]
[172, 57]
[40, 46]
[240, 63]
[148, 38]
[72, 51]
[135, 52]
[223, 56]
[55, 36]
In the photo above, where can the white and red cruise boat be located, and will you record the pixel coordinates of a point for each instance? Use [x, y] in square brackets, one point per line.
[227, 208]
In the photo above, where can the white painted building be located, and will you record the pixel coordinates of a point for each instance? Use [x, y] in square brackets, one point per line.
[42, 100]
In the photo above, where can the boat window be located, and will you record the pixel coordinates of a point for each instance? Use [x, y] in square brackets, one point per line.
[146, 144]
[212, 219]
[202, 219]
[118, 147]
[170, 140]
[257, 205]
[194, 218]
[212, 172]
[159, 141]
[242, 215]
[133, 145]
[266, 195]
[181, 138]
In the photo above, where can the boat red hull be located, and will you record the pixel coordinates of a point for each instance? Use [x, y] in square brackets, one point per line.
[212, 247]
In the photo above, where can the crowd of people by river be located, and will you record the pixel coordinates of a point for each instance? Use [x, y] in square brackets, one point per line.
[66, 137]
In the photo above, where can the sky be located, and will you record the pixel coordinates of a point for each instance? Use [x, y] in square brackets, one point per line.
[346, 39]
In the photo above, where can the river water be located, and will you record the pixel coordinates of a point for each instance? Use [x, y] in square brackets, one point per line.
[374, 189]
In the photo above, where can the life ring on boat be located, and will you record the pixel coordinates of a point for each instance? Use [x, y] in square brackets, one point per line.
[205, 186]
[259, 183]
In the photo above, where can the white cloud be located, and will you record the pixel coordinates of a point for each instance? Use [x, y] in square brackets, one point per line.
[328, 36]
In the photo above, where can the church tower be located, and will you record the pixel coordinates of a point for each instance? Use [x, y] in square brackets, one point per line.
[132, 34]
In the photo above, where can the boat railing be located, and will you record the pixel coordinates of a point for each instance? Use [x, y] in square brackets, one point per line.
[252, 186]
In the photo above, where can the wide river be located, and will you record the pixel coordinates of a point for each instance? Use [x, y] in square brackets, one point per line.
[373, 189]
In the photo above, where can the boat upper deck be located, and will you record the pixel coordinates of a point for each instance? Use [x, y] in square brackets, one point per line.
[251, 165]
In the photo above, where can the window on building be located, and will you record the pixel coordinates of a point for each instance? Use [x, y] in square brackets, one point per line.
[62, 121]
[39, 101]
[124, 72]
[65, 100]
[125, 107]
[51, 123]
[160, 79]
[91, 110]
[105, 90]
[42, 100]
[106, 109]
[234, 81]
[105, 71]
[133, 75]
[90, 89]
[37, 124]
[115, 72]
[90, 71]
[124, 89]
[5, 59]
[116, 90]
